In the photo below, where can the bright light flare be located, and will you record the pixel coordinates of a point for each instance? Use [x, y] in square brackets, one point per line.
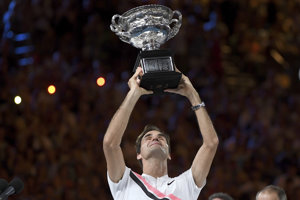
[51, 89]
[18, 99]
[101, 81]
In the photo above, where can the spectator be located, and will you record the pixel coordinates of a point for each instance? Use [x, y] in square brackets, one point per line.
[220, 196]
[271, 192]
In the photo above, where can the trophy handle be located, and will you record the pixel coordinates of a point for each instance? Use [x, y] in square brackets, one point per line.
[176, 23]
[115, 27]
[124, 37]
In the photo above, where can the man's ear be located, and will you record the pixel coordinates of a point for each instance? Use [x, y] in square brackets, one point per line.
[169, 157]
[139, 156]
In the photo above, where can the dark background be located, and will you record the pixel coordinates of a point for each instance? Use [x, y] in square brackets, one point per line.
[241, 56]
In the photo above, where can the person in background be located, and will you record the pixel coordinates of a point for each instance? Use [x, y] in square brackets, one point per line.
[271, 192]
[220, 196]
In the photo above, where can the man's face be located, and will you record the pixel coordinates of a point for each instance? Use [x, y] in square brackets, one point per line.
[154, 144]
[267, 195]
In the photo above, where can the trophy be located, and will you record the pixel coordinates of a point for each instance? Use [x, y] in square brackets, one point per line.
[147, 28]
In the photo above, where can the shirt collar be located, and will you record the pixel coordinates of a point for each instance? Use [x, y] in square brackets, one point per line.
[148, 177]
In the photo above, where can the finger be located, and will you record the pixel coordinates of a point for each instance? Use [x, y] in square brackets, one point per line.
[168, 90]
[140, 75]
[147, 91]
[171, 91]
[137, 72]
[183, 76]
[184, 79]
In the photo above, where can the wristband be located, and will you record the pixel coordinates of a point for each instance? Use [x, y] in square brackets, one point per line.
[198, 106]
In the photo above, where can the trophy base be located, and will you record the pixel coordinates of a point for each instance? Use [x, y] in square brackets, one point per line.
[159, 70]
[159, 81]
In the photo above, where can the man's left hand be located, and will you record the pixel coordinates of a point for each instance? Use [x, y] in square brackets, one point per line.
[185, 87]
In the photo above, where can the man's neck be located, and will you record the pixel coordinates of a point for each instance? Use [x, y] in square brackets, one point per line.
[155, 167]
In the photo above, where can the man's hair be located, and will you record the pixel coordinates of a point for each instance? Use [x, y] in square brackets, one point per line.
[220, 195]
[148, 128]
[273, 188]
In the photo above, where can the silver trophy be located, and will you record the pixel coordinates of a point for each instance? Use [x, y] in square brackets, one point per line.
[147, 28]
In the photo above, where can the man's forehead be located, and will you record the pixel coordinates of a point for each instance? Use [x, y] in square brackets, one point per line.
[153, 132]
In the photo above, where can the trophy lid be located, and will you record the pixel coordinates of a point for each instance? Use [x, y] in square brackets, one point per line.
[151, 8]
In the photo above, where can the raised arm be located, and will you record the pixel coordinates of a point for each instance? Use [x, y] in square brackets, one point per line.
[204, 157]
[113, 136]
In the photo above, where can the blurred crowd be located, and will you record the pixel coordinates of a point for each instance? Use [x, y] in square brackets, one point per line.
[242, 56]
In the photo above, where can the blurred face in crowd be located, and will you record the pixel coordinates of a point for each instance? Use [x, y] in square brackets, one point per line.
[267, 195]
[154, 144]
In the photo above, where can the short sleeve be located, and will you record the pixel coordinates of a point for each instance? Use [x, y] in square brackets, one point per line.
[186, 179]
[117, 188]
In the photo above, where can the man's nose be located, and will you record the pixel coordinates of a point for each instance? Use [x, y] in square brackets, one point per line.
[155, 139]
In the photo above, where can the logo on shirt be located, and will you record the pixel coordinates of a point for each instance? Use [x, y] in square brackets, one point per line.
[170, 182]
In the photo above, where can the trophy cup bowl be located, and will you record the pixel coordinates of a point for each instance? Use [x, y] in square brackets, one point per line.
[147, 28]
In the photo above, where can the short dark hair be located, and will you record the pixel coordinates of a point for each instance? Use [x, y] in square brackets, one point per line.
[273, 188]
[149, 127]
[220, 195]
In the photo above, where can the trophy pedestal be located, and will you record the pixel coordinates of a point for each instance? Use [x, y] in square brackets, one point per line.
[159, 70]
[159, 81]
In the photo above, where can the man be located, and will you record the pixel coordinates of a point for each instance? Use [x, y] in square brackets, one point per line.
[271, 192]
[220, 196]
[154, 183]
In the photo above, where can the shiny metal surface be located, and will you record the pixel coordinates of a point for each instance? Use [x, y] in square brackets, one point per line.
[147, 27]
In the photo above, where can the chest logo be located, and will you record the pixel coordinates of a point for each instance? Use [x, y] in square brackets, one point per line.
[170, 182]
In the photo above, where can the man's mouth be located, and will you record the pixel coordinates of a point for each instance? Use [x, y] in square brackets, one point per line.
[155, 143]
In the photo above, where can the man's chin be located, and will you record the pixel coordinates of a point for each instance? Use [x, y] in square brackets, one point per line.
[158, 151]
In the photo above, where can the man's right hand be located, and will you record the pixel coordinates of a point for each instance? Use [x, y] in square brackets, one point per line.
[134, 83]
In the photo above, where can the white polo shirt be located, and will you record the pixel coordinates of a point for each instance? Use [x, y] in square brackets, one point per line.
[133, 186]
